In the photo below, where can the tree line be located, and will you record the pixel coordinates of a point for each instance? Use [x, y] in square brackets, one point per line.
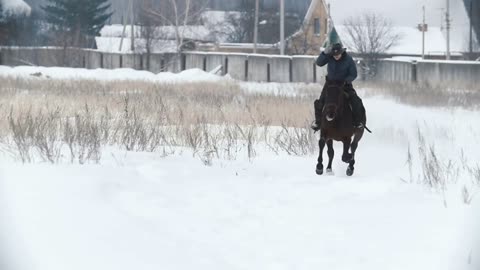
[63, 23]
[76, 23]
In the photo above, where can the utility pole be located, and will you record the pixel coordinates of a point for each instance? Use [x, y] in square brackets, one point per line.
[470, 47]
[132, 43]
[423, 27]
[282, 27]
[329, 21]
[123, 33]
[423, 34]
[124, 21]
[128, 13]
[255, 28]
[447, 21]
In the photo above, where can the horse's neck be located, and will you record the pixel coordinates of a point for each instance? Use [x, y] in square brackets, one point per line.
[344, 119]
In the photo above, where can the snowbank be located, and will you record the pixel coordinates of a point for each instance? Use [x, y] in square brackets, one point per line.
[146, 211]
[191, 75]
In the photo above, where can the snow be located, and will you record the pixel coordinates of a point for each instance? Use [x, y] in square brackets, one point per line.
[145, 211]
[214, 28]
[112, 45]
[216, 17]
[193, 32]
[15, 8]
[191, 75]
[140, 211]
[452, 62]
[406, 58]
[175, 213]
[163, 37]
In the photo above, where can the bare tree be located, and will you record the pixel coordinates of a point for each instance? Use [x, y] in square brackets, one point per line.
[371, 35]
[178, 14]
[147, 28]
[242, 22]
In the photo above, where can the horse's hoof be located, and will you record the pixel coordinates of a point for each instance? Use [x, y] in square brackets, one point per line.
[329, 171]
[319, 169]
[350, 171]
[347, 158]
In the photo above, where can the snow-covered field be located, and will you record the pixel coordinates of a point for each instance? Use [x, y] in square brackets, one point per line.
[138, 210]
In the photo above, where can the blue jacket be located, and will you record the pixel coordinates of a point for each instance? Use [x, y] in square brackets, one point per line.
[341, 70]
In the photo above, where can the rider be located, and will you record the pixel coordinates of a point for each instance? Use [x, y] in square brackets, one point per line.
[340, 68]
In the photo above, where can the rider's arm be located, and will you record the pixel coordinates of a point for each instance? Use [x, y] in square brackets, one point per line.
[322, 59]
[352, 72]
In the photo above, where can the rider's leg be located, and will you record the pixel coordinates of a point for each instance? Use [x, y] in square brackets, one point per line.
[318, 106]
[357, 107]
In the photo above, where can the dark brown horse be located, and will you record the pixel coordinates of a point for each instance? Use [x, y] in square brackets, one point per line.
[337, 124]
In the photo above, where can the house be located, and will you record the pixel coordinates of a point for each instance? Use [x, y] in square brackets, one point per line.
[313, 32]
[308, 39]
[210, 31]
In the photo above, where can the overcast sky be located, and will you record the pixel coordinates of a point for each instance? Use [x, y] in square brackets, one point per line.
[402, 12]
[409, 13]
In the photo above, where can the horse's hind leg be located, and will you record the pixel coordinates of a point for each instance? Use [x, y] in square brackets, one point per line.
[321, 144]
[331, 153]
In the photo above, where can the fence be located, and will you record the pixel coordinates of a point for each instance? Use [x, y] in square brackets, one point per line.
[246, 67]
[430, 72]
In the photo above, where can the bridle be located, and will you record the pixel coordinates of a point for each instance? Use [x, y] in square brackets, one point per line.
[338, 104]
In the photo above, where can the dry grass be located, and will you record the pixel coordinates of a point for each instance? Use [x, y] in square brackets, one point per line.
[441, 173]
[54, 120]
[217, 102]
[425, 95]
[42, 117]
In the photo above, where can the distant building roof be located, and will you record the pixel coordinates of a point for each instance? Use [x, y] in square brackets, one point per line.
[311, 10]
[192, 32]
[112, 45]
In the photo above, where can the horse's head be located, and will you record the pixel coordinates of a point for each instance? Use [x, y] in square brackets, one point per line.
[334, 101]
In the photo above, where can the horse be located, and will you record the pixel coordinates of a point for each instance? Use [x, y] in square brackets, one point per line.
[337, 124]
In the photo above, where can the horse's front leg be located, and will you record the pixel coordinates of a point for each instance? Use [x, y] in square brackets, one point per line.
[353, 147]
[331, 153]
[321, 144]
[346, 157]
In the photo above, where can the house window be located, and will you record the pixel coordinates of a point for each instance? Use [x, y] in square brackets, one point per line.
[316, 26]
